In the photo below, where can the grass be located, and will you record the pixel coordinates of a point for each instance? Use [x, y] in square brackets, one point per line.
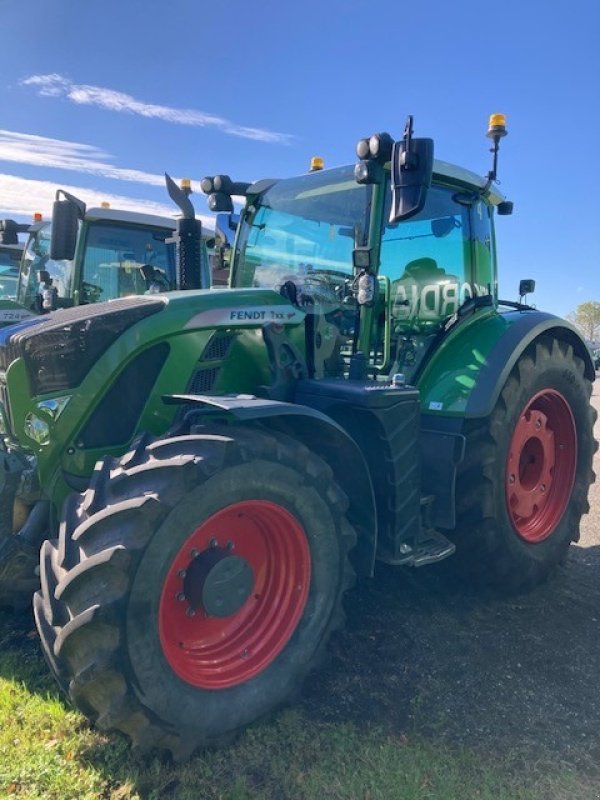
[48, 751]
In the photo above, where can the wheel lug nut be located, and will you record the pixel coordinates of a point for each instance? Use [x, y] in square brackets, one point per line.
[538, 423]
[511, 478]
[194, 553]
[180, 596]
[245, 653]
[213, 543]
[181, 574]
[230, 546]
[190, 612]
[543, 488]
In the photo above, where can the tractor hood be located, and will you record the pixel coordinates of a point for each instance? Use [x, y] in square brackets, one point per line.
[60, 348]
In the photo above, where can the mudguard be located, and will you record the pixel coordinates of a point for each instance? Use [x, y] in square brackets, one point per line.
[466, 374]
[323, 436]
[463, 380]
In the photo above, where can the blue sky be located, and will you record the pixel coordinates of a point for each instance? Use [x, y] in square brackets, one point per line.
[118, 92]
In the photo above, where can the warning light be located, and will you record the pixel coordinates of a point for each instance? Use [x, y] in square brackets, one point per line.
[186, 185]
[497, 126]
[105, 204]
[316, 163]
[38, 216]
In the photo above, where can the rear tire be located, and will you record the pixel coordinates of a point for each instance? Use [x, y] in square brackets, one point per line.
[194, 585]
[522, 488]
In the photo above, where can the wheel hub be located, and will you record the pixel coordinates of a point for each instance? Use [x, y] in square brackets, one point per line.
[217, 582]
[234, 594]
[540, 466]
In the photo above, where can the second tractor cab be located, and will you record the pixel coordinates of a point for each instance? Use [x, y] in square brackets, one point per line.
[89, 255]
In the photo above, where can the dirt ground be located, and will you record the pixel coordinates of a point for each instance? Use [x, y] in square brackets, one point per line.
[517, 677]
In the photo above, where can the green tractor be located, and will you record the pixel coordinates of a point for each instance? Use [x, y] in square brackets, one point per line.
[88, 255]
[207, 472]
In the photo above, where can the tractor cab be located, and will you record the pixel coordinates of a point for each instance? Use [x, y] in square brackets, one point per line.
[112, 248]
[88, 255]
[318, 238]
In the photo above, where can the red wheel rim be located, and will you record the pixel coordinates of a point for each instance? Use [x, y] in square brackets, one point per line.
[217, 652]
[541, 465]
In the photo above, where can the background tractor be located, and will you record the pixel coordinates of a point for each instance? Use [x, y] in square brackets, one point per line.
[11, 250]
[206, 472]
[89, 255]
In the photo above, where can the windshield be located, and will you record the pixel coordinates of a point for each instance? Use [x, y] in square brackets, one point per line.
[10, 258]
[115, 258]
[303, 230]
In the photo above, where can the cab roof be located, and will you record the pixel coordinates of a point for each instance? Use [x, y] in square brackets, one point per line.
[445, 171]
[138, 218]
[133, 217]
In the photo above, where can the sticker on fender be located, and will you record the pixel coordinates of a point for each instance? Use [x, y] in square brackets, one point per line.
[252, 315]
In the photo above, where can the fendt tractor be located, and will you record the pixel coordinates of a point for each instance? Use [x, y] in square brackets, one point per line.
[88, 255]
[207, 472]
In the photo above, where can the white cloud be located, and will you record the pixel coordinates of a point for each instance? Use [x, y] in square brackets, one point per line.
[40, 151]
[55, 85]
[23, 197]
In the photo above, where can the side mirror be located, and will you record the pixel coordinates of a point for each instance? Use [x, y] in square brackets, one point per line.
[412, 169]
[9, 230]
[65, 224]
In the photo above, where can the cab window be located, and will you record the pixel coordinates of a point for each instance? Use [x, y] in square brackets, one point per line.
[429, 262]
[113, 259]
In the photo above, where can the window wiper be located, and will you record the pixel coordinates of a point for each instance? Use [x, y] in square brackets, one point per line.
[470, 305]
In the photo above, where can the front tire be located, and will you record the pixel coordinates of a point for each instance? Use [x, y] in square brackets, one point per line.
[522, 489]
[194, 585]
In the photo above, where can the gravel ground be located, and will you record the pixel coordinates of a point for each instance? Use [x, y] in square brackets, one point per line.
[513, 676]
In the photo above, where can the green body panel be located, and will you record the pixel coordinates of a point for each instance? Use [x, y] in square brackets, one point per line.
[449, 376]
[187, 323]
[467, 370]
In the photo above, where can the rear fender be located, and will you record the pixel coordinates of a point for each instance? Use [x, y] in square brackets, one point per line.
[467, 372]
[325, 438]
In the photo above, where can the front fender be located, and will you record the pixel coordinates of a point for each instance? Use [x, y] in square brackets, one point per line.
[323, 436]
[465, 375]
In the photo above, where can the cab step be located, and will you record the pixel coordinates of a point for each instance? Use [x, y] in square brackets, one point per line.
[431, 547]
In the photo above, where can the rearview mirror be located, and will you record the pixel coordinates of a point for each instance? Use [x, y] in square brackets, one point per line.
[412, 168]
[65, 223]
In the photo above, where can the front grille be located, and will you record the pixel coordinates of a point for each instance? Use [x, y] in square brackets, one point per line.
[203, 380]
[60, 351]
[218, 347]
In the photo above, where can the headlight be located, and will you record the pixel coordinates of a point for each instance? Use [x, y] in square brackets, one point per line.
[37, 429]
